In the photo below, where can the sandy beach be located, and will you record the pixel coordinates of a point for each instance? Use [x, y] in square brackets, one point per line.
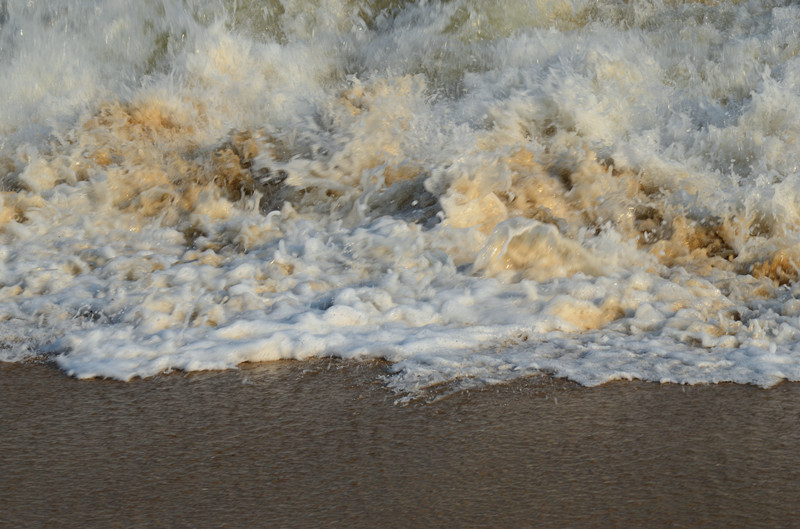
[324, 444]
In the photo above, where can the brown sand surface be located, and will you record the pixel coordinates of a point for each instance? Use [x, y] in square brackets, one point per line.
[323, 444]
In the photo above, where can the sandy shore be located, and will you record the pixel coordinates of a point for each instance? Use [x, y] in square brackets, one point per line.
[323, 444]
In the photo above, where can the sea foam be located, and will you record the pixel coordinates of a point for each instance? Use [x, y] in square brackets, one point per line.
[597, 190]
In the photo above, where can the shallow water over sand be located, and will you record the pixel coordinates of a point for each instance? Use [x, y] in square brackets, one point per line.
[315, 444]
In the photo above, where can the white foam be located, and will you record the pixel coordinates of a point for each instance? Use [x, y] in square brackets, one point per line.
[596, 190]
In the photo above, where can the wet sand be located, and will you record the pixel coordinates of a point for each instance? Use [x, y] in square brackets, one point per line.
[323, 444]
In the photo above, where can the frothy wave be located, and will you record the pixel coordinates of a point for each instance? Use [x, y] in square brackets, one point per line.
[597, 190]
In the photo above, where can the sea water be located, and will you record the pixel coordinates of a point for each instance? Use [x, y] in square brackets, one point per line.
[472, 190]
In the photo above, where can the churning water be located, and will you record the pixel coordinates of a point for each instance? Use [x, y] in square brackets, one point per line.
[473, 190]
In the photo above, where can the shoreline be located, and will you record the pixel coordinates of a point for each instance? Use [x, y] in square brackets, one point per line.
[322, 443]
